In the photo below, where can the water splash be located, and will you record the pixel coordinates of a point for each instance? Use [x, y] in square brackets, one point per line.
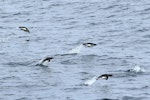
[137, 69]
[90, 81]
[77, 49]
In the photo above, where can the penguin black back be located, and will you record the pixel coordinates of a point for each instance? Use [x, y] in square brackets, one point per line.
[47, 59]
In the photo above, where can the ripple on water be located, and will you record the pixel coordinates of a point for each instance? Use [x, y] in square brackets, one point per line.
[115, 26]
[107, 99]
[133, 98]
[69, 62]
[16, 64]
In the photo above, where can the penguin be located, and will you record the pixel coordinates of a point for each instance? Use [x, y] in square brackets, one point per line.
[104, 76]
[89, 44]
[47, 59]
[44, 62]
[24, 29]
[95, 78]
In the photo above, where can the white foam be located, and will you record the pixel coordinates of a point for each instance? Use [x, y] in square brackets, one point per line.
[138, 69]
[77, 49]
[90, 81]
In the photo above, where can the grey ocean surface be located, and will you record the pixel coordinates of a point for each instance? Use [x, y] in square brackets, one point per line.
[120, 28]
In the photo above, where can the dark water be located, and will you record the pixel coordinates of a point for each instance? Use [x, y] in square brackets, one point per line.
[121, 30]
